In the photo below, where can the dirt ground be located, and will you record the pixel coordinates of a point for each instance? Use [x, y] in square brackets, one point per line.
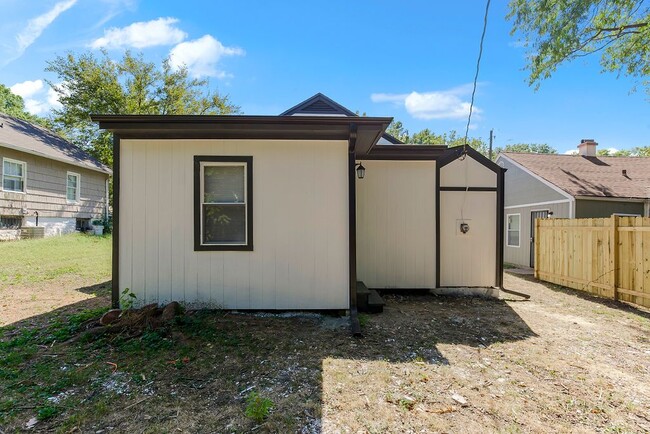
[559, 362]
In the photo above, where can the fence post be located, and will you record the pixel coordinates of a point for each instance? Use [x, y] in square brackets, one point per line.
[613, 252]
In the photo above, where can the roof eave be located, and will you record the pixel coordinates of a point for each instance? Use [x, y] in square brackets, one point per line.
[105, 170]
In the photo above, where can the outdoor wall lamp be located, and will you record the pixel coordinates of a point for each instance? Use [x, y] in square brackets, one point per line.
[361, 171]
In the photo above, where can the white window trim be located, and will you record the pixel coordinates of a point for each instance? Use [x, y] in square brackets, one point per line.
[508, 230]
[205, 164]
[77, 192]
[24, 177]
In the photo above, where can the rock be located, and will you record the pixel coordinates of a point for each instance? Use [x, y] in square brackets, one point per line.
[31, 423]
[459, 399]
[170, 311]
[110, 317]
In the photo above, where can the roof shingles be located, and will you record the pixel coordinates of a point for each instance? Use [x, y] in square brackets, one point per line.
[591, 176]
[24, 136]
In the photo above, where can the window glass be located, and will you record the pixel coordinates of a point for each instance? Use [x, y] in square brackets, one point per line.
[223, 184]
[513, 230]
[13, 176]
[73, 187]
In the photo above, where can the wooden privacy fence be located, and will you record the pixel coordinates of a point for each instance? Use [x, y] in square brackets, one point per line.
[609, 257]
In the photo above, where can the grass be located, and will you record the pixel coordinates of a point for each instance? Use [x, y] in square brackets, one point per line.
[29, 262]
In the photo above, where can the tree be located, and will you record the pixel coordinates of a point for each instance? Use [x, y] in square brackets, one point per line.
[560, 31]
[428, 137]
[535, 148]
[619, 153]
[14, 105]
[88, 85]
[643, 151]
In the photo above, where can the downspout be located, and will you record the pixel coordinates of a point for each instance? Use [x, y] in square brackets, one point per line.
[500, 226]
[646, 208]
[355, 327]
[106, 201]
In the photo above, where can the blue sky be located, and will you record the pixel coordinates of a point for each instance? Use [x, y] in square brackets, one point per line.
[413, 60]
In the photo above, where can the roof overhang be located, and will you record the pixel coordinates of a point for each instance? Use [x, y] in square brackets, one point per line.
[75, 163]
[368, 129]
[405, 152]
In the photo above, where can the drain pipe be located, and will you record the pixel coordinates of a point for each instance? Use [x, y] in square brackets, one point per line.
[36, 214]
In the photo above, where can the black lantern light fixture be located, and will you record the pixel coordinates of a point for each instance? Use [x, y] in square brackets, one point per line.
[361, 171]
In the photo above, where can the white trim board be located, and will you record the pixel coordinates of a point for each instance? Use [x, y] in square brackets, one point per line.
[525, 205]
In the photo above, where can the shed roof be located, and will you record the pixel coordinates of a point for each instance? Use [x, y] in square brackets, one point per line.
[33, 139]
[580, 175]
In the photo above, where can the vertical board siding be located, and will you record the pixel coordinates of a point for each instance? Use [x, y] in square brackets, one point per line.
[607, 257]
[468, 259]
[396, 224]
[300, 256]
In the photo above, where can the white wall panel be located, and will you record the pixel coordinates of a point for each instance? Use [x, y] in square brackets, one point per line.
[468, 171]
[396, 224]
[300, 218]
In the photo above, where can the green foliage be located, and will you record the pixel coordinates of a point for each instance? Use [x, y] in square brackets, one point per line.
[257, 408]
[535, 148]
[127, 299]
[363, 319]
[560, 31]
[46, 412]
[643, 151]
[428, 137]
[99, 85]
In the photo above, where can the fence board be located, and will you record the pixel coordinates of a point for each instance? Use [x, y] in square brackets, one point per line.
[608, 257]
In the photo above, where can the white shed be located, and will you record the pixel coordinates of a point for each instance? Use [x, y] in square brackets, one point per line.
[268, 213]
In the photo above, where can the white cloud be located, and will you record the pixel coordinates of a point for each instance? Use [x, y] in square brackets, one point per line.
[161, 31]
[201, 56]
[37, 99]
[37, 25]
[28, 88]
[571, 152]
[445, 104]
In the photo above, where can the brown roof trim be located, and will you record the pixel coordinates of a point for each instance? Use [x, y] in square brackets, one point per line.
[457, 151]
[405, 152]
[369, 129]
[315, 98]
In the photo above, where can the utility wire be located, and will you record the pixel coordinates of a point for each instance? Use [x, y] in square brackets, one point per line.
[478, 67]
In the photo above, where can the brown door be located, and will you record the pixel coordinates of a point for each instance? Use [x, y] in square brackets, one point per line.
[534, 215]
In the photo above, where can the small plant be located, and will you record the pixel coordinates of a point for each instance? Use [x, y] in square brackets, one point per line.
[127, 299]
[363, 319]
[46, 412]
[257, 408]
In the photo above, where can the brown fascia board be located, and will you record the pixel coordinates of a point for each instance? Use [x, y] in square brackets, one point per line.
[245, 127]
[405, 152]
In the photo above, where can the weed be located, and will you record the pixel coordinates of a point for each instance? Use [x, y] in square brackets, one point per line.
[257, 408]
[127, 299]
[363, 319]
[46, 412]
[406, 404]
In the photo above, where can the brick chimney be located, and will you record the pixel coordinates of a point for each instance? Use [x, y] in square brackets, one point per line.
[587, 147]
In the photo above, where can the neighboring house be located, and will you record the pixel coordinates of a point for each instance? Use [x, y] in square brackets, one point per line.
[568, 186]
[266, 212]
[47, 182]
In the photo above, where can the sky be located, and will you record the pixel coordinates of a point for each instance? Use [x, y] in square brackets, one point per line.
[412, 60]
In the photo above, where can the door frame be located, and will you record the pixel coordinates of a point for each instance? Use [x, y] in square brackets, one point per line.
[532, 233]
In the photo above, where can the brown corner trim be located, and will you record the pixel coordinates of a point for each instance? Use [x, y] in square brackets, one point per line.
[437, 193]
[115, 276]
[500, 227]
[352, 219]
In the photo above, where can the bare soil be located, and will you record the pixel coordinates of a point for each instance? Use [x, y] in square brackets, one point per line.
[559, 362]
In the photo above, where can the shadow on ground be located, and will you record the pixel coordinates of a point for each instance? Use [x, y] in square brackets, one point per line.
[199, 373]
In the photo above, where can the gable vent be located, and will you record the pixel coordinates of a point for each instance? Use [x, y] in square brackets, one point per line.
[320, 107]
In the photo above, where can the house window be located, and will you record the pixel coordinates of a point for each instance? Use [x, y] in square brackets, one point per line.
[73, 187]
[513, 230]
[10, 222]
[13, 175]
[223, 203]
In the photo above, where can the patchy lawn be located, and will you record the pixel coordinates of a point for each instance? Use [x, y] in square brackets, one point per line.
[559, 362]
[38, 276]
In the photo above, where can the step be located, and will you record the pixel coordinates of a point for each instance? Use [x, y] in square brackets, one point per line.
[362, 297]
[375, 302]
